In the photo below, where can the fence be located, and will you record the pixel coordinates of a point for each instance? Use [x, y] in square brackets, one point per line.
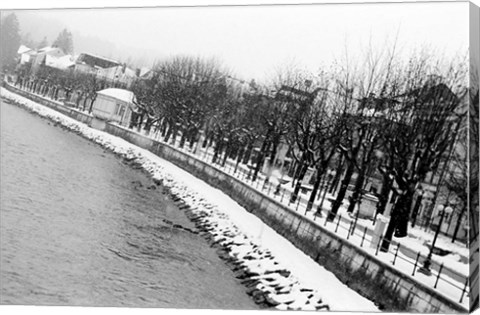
[349, 229]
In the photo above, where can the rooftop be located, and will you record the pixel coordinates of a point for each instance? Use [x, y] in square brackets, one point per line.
[23, 49]
[119, 94]
[60, 62]
[94, 60]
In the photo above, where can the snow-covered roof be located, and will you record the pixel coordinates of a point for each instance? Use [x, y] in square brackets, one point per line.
[47, 48]
[144, 71]
[130, 72]
[59, 62]
[96, 61]
[23, 49]
[119, 94]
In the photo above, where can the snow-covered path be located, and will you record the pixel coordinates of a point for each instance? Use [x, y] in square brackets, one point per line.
[308, 273]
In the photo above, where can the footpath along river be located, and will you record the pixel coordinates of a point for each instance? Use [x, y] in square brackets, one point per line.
[79, 227]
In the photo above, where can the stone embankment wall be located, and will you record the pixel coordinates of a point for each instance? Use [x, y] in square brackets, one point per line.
[367, 275]
[372, 278]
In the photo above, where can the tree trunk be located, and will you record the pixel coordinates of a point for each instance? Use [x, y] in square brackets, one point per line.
[174, 135]
[316, 186]
[301, 175]
[148, 125]
[164, 129]
[206, 140]
[227, 152]
[387, 239]
[248, 153]
[192, 138]
[399, 219]
[384, 193]
[274, 152]
[84, 103]
[210, 141]
[77, 103]
[341, 194]
[169, 133]
[132, 120]
[297, 170]
[218, 148]
[241, 153]
[260, 159]
[338, 173]
[183, 139]
[140, 122]
[320, 206]
[357, 191]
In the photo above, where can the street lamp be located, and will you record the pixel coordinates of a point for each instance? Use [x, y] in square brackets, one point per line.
[426, 264]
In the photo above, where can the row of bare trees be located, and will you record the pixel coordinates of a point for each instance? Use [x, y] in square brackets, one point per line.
[398, 117]
[70, 86]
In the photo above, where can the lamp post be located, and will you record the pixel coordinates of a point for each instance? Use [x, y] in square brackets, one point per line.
[425, 269]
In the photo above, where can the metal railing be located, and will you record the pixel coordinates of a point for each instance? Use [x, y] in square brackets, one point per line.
[344, 226]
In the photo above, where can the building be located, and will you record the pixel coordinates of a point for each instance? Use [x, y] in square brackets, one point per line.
[61, 63]
[40, 57]
[433, 191]
[91, 64]
[25, 54]
[114, 105]
[119, 74]
[145, 73]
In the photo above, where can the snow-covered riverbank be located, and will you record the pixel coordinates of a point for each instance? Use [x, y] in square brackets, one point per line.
[293, 279]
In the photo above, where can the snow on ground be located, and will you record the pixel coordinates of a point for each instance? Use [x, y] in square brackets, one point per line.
[415, 241]
[302, 268]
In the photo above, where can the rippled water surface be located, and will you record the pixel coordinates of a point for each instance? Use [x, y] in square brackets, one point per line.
[79, 227]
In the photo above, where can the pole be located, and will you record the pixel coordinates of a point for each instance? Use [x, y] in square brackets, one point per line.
[363, 237]
[378, 246]
[338, 223]
[438, 276]
[396, 254]
[415, 265]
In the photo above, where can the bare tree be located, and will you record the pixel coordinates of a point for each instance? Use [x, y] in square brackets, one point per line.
[363, 92]
[315, 131]
[191, 89]
[417, 130]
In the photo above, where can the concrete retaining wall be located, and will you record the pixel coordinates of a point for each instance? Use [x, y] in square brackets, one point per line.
[374, 279]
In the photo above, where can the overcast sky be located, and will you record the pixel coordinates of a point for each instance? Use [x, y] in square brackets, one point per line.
[252, 41]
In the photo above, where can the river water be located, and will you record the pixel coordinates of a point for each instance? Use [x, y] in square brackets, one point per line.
[79, 227]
